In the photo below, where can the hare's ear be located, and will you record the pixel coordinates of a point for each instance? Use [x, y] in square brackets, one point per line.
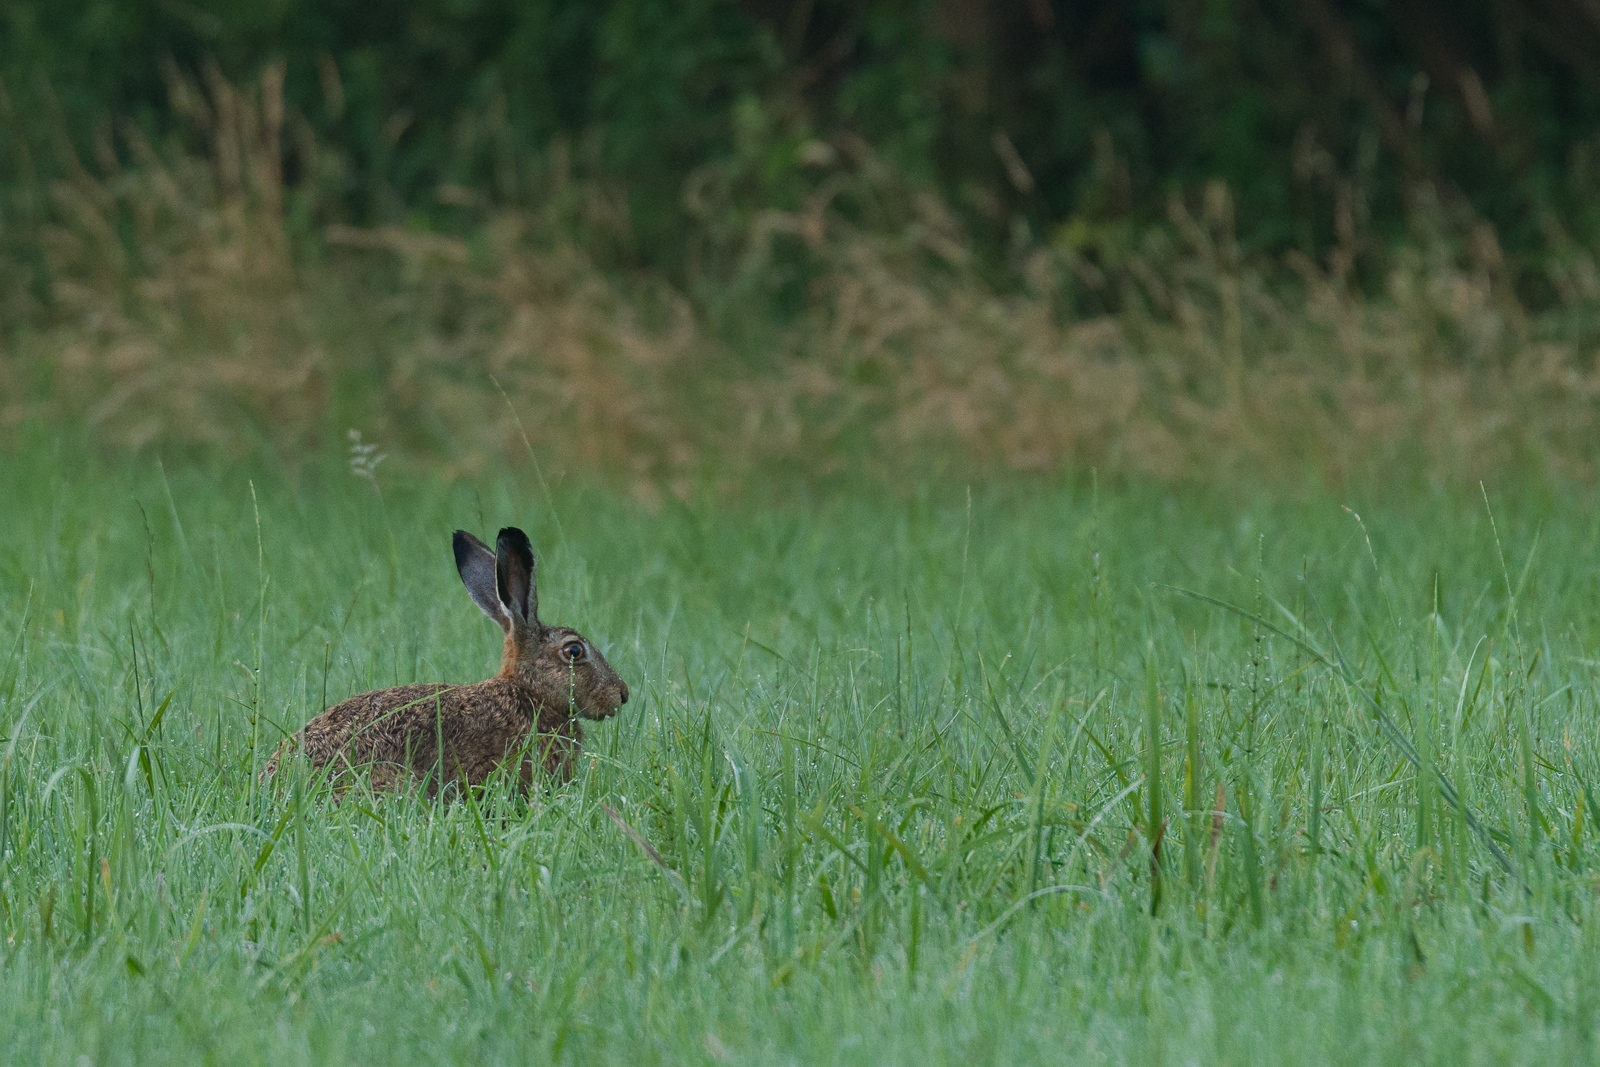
[513, 572]
[476, 565]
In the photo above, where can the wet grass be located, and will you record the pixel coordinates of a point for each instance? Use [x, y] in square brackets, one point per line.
[942, 775]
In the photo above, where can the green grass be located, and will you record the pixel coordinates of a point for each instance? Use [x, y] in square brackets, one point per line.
[900, 753]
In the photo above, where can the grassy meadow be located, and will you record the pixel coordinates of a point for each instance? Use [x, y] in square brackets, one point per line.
[929, 775]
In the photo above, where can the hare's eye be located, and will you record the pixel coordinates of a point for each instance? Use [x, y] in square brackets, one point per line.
[573, 650]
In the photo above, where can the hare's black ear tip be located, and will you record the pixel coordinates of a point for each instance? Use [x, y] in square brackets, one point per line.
[514, 536]
[515, 540]
[462, 543]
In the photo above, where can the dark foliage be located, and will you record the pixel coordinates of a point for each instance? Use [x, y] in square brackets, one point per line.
[1025, 113]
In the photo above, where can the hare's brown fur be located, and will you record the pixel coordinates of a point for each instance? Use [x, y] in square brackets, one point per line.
[527, 715]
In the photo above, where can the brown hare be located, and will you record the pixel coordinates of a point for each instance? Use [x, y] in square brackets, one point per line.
[550, 677]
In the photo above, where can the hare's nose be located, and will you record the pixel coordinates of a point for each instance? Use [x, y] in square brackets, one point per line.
[624, 692]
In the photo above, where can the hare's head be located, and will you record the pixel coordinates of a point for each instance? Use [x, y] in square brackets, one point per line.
[560, 665]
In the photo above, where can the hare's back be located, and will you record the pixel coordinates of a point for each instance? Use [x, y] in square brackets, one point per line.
[480, 726]
[378, 723]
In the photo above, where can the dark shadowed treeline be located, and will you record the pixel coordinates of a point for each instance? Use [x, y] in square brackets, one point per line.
[1020, 111]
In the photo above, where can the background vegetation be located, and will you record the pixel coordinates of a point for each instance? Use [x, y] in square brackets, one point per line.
[1182, 238]
[1018, 111]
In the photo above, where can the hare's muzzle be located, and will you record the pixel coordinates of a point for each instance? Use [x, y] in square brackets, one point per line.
[605, 701]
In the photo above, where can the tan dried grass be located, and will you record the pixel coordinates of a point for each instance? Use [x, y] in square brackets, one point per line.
[181, 314]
